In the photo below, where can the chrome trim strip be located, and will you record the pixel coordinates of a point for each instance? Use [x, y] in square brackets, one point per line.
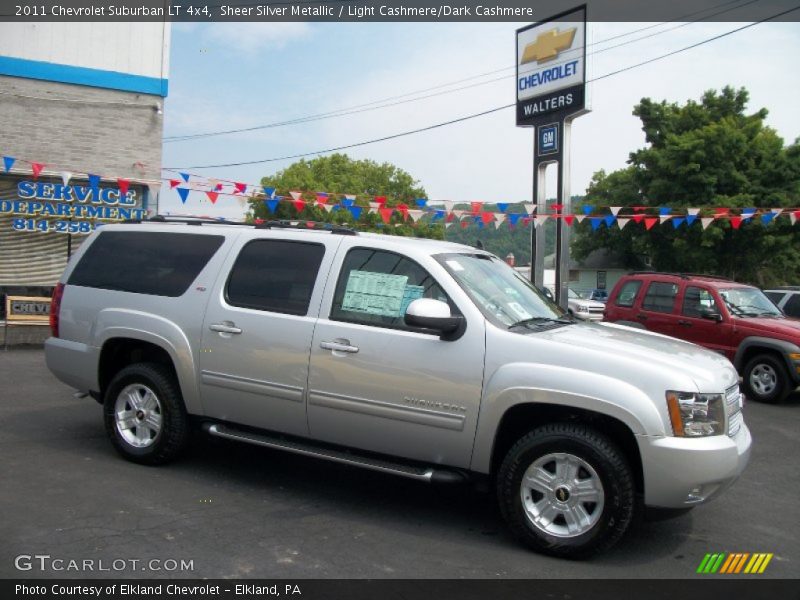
[252, 386]
[375, 408]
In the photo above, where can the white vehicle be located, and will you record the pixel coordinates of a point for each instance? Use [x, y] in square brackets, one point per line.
[587, 310]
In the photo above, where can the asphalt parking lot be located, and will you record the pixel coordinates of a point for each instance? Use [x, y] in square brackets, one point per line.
[242, 511]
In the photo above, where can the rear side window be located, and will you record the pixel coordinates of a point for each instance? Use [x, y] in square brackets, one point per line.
[628, 292]
[155, 263]
[660, 297]
[275, 275]
[792, 307]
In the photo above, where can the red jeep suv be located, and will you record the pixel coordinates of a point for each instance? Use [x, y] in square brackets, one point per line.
[733, 319]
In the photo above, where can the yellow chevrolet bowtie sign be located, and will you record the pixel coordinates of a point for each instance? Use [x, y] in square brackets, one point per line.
[548, 45]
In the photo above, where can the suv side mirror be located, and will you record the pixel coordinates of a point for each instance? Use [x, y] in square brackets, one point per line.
[710, 314]
[428, 313]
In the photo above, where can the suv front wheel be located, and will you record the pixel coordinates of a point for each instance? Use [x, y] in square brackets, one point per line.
[765, 379]
[566, 490]
[144, 414]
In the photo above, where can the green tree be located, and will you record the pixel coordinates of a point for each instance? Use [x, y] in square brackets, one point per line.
[704, 154]
[339, 174]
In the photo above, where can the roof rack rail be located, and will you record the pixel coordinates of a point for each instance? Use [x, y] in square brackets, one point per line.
[285, 224]
[184, 220]
[681, 275]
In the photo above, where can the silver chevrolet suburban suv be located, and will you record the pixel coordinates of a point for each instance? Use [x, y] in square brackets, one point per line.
[420, 358]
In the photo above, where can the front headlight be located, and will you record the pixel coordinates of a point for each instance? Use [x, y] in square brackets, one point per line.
[696, 415]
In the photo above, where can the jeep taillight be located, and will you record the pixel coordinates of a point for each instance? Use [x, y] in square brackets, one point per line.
[55, 308]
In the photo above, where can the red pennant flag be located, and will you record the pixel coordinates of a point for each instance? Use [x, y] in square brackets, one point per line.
[638, 218]
[300, 205]
[310, 224]
[212, 196]
[322, 199]
[36, 168]
[386, 213]
[526, 221]
[476, 207]
[649, 222]
[173, 183]
[403, 209]
[239, 188]
[450, 217]
[381, 200]
[736, 222]
[123, 186]
[568, 220]
[797, 214]
[557, 207]
[639, 209]
[259, 221]
[464, 224]
[487, 217]
[721, 211]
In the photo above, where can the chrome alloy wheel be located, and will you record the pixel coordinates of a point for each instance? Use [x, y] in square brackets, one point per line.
[138, 415]
[763, 379]
[562, 495]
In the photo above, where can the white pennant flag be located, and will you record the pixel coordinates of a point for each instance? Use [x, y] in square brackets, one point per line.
[792, 217]
[776, 212]
[65, 177]
[615, 210]
[328, 207]
[706, 221]
[448, 205]
[350, 197]
[446, 225]
[622, 222]
[693, 211]
[664, 218]
[374, 206]
[458, 213]
[414, 214]
[499, 218]
[295, 195]
[540, 220]
[529, 208]
[580, 218]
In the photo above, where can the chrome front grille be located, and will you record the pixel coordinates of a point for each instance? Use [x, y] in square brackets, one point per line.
[733, 408]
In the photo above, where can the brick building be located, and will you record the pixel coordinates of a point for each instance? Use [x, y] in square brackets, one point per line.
[76, 99]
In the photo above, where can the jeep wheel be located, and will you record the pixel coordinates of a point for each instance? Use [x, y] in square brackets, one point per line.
[144, 414]
[765, 379]
[566, 490]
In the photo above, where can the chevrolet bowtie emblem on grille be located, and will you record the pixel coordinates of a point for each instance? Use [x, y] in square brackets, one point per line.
[547, 45]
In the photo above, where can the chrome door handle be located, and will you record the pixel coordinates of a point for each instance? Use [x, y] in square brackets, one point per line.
[339, 345]
[226, 327]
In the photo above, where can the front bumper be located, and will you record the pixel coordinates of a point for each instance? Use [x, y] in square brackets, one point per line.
[681, 472]
[588, 316]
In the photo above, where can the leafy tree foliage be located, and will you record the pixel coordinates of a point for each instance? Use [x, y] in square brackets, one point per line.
[339, 174]
[704, 154]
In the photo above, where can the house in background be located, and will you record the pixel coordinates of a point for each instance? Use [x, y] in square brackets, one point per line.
[601, 269]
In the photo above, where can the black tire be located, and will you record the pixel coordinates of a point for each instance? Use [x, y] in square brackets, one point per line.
[173, 435]
[609, 464]
[782, 387]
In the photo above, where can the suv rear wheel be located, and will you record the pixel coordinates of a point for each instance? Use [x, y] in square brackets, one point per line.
[566, 490]
[144, 414]
[765, 379]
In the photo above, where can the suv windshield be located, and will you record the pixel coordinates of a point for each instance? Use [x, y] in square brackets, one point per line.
[749, 302]
[504, 296]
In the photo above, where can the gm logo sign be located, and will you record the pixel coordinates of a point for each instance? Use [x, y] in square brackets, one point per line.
[548, 139]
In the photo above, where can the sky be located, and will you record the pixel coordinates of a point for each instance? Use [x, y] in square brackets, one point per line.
[231, 75]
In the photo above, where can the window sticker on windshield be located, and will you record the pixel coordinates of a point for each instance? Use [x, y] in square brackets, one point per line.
[375, 293]
[455, 265]
[518, 308]
[412, 293]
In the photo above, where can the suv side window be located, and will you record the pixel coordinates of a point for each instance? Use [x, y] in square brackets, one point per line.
[792, 306]
[375, 288]
[275, 275]
[696, 300]
[660, 296]
[628, 292]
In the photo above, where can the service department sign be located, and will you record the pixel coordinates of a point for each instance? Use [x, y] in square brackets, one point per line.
[551, 68]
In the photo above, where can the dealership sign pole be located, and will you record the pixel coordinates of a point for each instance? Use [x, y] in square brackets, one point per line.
[551, 92]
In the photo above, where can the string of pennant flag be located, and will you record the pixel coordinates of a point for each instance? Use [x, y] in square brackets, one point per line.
[479, 213]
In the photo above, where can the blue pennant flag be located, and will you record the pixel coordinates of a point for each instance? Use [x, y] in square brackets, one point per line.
[748, 213]
[183, 193]
[421, 202]
[595, 222]
[9, 161]
[766, 218]
[609, 219]
[690, 219]
[94, 180]
[347, 202]
[664, 210]
[587, 209]
[355, 211]
[439, 214]
[269, 191]
[513, 218]
[185, 177]
[271, 204]
[336, 208]
[678, 221]
[502, 206]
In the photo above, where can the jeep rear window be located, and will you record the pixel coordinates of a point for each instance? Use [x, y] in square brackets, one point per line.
[628, 292]
[155, 263]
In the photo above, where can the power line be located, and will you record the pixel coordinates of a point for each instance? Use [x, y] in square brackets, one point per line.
[486, 112]
[371, 106]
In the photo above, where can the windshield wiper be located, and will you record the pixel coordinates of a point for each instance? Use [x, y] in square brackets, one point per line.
[541, 321]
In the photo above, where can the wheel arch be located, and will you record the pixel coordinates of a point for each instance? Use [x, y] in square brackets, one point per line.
[755, 345]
